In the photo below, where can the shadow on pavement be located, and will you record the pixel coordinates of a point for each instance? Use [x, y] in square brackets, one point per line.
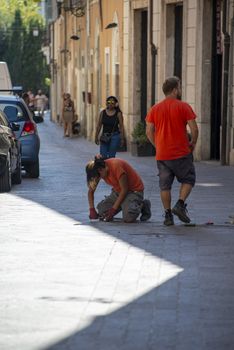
[191, 308]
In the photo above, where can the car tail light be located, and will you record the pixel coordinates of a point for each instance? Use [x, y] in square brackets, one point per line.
[29, 128]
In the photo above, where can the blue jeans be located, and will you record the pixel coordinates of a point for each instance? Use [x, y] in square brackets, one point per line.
[108, 150]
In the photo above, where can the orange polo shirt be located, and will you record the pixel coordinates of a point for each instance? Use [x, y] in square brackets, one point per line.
[117, 167]
[170, 118]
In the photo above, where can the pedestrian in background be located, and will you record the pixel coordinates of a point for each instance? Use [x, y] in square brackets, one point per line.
[166, 128]
[127, 190]
[40, 102]
[25, 97]
[31, 100]
[111, 123]
[68, 114]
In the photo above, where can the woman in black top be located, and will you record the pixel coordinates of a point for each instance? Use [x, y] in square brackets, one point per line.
[111, 123]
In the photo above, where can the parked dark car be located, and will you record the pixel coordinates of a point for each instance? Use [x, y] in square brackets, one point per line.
[18, 113]
[10, 155]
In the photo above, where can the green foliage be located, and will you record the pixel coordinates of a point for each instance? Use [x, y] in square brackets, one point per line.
[15, 49]
[28, 8]
[47, 81]
[139, 135]
[22, 51]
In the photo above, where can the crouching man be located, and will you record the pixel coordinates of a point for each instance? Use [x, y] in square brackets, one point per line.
[127, 194]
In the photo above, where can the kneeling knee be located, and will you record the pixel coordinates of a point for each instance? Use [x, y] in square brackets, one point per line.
[129, 219]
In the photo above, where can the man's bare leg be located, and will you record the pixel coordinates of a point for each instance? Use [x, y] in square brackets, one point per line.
[185, 190]
[166, 199]
[180, 208]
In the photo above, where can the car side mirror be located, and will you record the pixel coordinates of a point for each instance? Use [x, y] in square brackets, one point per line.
[15, 126]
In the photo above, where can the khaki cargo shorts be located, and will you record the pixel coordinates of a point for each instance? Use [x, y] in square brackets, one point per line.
[131, 206]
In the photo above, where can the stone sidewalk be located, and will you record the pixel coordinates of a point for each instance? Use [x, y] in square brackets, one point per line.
[68, 283]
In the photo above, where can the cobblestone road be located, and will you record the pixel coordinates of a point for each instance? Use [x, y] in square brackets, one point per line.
[66, 283]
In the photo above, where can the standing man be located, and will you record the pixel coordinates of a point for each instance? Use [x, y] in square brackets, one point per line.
[127, 194]
[166, 128]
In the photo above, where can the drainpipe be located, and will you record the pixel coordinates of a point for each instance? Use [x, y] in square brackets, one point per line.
[86, 82]
[65, 39]
[52, 50]
[230, 89]
[101, 14]
[225, 85]
[153, 56]
[53, 71]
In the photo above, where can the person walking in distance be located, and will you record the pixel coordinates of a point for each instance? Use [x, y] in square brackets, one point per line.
[40, 101]
[25, 97]
[31, 100]
[127, 194]
[111, 122]
[68, 113]
[166, 128]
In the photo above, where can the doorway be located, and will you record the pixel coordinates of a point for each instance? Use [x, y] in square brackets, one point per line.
[216, 81]
[174, 39]
[139, 67]
[143, 78]
[178, 40]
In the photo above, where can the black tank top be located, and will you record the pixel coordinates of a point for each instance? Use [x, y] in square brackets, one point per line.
[110, 123]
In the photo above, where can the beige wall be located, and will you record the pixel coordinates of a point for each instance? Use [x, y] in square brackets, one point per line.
[99, 51]
[196, 63]
[80, 68]
[104, 64]
[231, 84]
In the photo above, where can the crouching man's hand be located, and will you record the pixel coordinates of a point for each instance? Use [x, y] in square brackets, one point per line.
[93, 214]
[109, 214]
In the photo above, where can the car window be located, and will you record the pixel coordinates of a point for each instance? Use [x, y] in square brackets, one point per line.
[3, 120]
[15, 111]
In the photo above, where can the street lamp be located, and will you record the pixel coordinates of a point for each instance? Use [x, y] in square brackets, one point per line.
[35, 32]
[111, 25]
[74, 37]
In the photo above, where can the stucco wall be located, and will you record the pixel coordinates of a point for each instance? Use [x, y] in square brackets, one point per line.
[83, 66]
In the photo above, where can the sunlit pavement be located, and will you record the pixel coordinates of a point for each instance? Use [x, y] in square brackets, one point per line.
[68, 283]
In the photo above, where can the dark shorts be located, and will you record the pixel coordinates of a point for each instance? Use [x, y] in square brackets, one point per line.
[181, 168]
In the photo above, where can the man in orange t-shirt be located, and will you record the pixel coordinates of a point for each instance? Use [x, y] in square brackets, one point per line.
[127, 190]
[166, 128]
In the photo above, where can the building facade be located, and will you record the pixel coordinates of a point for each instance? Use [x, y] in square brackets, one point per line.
[127, 48]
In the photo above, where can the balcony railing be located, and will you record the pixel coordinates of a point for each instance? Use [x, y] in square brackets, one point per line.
[76, 7]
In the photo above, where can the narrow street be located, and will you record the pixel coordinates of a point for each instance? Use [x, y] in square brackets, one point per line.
[68, 283]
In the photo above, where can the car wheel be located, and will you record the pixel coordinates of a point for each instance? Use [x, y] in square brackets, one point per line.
[17, 176]
[5, 179]
[33, 169]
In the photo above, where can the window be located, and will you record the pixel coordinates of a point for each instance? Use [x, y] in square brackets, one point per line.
[82, 61]
[107, 70]
[15, 112]
[117, 92]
